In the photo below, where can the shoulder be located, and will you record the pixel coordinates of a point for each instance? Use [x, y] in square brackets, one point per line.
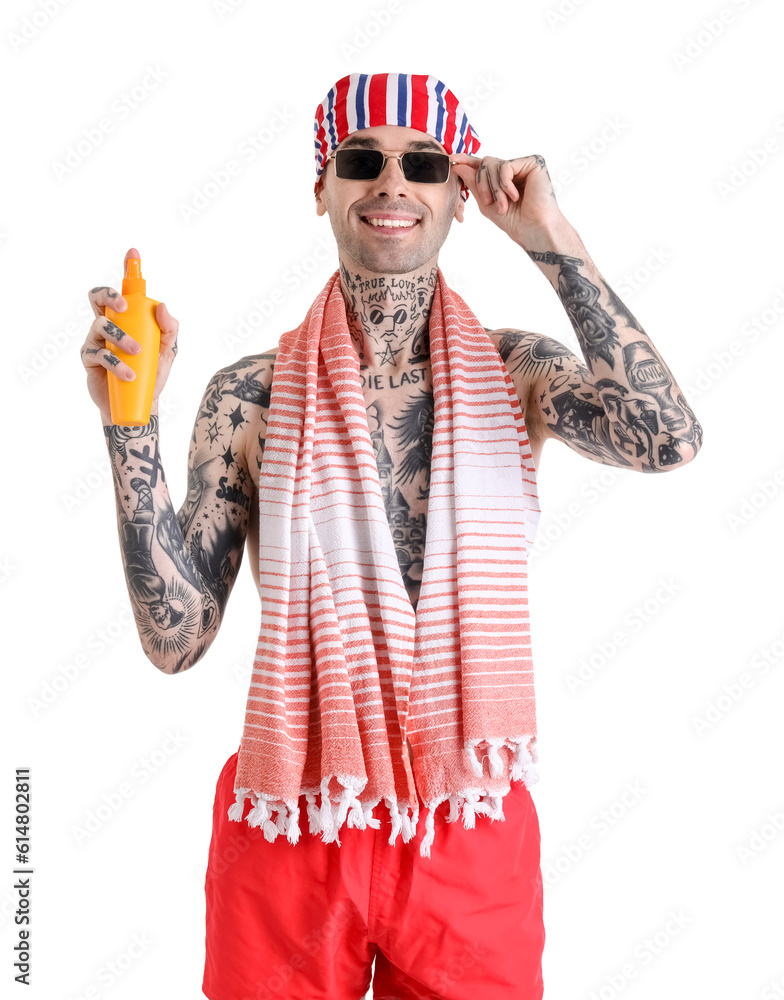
[249, 379]
[522, 352]
[529, 358]
[232, 416]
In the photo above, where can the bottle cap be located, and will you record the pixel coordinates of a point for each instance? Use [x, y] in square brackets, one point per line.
[133, 280]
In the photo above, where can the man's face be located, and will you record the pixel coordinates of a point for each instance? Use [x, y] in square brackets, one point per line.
[350, 203]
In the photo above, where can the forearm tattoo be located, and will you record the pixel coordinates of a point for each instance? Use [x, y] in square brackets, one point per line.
[631, 417]
[180, 567]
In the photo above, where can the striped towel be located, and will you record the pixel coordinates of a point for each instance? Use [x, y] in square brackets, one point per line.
[345, 670]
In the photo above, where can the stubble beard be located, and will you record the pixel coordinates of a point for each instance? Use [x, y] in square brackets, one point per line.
[392, 259]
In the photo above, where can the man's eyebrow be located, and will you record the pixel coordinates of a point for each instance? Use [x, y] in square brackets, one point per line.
[370, 143]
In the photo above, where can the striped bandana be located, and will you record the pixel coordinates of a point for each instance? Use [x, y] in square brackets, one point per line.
[413, 100]
[345, 670]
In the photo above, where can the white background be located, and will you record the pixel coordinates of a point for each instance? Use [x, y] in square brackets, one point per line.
[688, 101]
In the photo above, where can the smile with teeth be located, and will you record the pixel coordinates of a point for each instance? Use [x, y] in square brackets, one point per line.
[392, 223]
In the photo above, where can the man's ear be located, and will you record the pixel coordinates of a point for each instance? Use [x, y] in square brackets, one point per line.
[321, 208]
[460, 206]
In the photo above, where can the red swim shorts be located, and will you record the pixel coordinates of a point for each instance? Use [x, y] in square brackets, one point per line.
[306, 921]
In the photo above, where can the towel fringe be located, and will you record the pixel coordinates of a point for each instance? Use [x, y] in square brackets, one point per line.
[523, 760]
[326, 815]
[409, 823]
[236, 810]
[496, 764]
[293, 831]
[329, 817]
[314, 817]
[430, 828]
[473, 757]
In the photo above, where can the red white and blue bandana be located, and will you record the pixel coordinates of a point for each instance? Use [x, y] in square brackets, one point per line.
[413, 100]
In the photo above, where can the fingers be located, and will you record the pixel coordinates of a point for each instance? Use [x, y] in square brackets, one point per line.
[461, 158]
[94, 352]
[104, 329]
[494, 180]
[506, 174]
[169, 327]
[97, 357]
[481, 177]
[102, 296]
[488, 183]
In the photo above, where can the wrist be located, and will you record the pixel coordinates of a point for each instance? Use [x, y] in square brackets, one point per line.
[106, 418]
[556, 234]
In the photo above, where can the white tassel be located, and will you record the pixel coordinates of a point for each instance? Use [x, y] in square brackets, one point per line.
[496, 764]
[481, 807]
[346, 798]
[430, 833]
[523, 768]
[408, 830]
[473, 757]
[314, 818]
[356, 818]
[327, 816]
[293, 825]
[269, 826]
[469, 816]
[370, 819]
[237, 808]
[530, 775]
[282, 822]
[454, 809]
[258, 813]
[497, 809]
[521, 759]
[394, 815]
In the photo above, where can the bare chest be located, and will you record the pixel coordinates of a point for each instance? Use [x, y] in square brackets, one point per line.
[400, 420]
[399, 409]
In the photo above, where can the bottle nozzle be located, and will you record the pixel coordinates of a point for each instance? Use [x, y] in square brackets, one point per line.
[133, 280]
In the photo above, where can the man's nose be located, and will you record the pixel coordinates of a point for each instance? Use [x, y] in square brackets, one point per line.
[391, 179]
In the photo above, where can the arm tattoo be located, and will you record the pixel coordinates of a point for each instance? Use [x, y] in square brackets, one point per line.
[180, 567]
[602, 420]
[594, 327]
[633, 413]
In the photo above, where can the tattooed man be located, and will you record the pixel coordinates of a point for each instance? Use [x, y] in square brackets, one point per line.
[618, 404]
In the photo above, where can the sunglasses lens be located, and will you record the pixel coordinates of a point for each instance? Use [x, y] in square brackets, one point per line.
[358, 164]
[426, 168]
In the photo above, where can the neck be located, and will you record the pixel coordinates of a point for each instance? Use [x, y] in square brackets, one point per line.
[388, 315]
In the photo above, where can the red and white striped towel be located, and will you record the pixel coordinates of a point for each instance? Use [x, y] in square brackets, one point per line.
[345, 671]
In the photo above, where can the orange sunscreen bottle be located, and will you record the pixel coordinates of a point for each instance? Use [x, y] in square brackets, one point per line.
[131, 402]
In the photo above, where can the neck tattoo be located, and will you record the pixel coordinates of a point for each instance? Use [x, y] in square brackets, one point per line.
[387, 317]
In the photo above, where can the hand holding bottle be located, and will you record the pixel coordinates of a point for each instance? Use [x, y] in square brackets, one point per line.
[109, 352]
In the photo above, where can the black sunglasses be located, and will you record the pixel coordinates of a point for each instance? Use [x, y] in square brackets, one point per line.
[420, 166]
